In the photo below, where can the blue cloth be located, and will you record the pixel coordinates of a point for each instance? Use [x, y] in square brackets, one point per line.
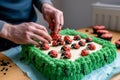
[103, 73]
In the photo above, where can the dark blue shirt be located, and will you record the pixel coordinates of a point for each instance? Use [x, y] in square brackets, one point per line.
[17, 11]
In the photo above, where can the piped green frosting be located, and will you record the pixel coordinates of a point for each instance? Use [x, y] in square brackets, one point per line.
[60, 69]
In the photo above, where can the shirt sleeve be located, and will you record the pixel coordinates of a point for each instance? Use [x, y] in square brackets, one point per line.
[38, 3]
[1, 24]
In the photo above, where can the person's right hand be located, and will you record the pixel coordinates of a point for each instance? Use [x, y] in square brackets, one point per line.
[25, 33]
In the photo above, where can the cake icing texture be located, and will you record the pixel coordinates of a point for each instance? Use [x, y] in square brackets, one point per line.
[65, 69]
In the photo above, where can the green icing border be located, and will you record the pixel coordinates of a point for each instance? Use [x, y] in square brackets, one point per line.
[55, 69]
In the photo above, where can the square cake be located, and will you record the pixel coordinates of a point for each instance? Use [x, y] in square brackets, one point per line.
[76, 62]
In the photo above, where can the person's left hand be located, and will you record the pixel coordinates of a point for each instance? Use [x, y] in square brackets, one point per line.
[50, 14]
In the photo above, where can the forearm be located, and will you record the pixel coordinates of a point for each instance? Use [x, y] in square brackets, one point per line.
[39, 3]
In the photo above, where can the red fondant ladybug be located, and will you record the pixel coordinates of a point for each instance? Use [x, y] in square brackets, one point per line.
[89, 39]
[51, 26]
[91, 46]
[65, 48]
[52, 34]
[84, 52]
[53, 53]
[56, 36]
[66, 55]
[44, 46]
[54, 43]
[75, 46]
[76, 37]
[67, 40]
[82, 43]
[60, 41]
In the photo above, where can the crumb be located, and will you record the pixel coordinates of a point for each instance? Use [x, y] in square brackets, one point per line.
[6, 69]
[4, 73]
[86, 30]
[10, 66]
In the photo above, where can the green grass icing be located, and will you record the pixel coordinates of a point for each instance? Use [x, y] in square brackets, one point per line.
[54, 69]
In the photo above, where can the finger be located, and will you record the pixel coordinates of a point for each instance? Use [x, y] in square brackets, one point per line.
[61, 20]
[47, 18]
[57, 22]
[38, 38]
[31, 41]
[38, 26]
[43, 34]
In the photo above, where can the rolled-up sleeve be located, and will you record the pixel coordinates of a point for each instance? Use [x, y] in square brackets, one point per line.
[38, 3]
[1, 24]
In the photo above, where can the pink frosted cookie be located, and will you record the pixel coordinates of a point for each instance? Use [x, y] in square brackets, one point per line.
[106, 36]
[100, 32]
[95, 28]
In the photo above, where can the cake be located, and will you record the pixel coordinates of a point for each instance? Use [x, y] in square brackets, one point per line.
[71, 64]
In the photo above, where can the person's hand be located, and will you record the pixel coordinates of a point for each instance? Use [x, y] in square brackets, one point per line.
[26, 33]
[50, 14]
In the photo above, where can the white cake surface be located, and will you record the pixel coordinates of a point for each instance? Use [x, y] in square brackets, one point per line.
[75, 53]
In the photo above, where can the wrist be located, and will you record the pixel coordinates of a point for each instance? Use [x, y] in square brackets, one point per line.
[46, 5]
[6, 31]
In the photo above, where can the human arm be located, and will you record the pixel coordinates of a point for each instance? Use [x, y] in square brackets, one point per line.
[25, 33]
